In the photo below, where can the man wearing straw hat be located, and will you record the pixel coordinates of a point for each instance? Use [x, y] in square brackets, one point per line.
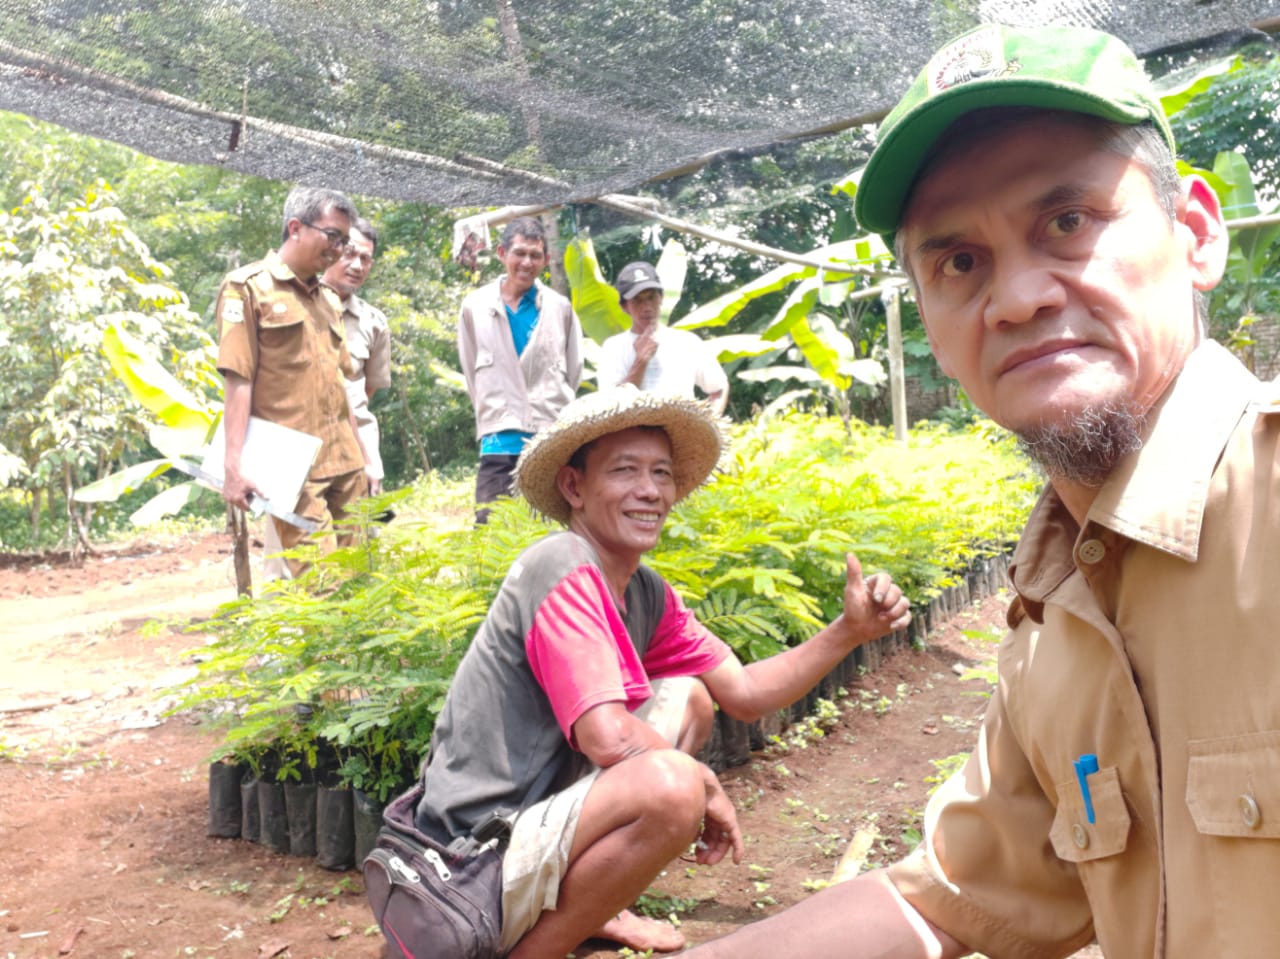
[580, 704]
[1126, 782]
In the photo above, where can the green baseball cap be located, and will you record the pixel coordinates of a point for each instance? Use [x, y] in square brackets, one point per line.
[1056, 68]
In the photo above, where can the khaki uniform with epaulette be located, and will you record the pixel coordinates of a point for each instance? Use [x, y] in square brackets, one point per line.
[285, 335]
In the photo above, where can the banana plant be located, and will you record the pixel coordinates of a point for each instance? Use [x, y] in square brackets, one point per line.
[186, 422]
[804, 321]
[596, 301]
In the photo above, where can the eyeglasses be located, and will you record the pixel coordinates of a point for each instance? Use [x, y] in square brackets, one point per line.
[335, 238]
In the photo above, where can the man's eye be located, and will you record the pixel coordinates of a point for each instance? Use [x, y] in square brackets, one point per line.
[957, 264]
[1064, 224]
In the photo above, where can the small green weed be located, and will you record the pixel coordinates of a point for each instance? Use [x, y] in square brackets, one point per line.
[659, 905]
[282, 907]
[342, 887]
[945, 768]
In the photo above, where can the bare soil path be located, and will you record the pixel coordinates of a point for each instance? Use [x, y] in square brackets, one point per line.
[103, 802]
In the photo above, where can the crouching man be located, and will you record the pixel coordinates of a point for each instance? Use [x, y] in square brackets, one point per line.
[589, 688]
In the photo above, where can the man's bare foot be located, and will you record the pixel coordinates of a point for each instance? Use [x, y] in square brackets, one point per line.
[640, 934]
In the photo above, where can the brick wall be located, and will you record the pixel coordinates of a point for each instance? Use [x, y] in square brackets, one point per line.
[1264, 355]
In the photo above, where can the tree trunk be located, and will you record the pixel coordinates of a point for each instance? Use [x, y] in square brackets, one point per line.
[555, 254]
[533, 130]
[35, 512]
[405, 423]
[515, 51]
[77, 523]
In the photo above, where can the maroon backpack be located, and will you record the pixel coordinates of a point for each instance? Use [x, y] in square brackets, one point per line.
[432, 903]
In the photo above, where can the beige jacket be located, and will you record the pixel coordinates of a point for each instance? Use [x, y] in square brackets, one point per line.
[524, 392]
[1151, 639]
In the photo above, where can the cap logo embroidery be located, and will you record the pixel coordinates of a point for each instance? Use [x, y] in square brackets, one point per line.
[974, 57]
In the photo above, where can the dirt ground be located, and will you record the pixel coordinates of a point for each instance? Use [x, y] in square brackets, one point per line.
[103, 802]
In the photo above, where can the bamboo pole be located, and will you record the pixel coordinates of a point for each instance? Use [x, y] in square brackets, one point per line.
[897, 368]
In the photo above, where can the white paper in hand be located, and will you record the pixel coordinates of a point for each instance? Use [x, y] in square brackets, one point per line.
[275, 458]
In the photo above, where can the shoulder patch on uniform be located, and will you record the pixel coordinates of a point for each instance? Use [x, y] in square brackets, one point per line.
[244, 273]
[232, 310]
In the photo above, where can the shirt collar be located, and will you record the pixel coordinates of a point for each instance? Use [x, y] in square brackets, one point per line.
[530, 295]
[281, 270]
[1157, 495]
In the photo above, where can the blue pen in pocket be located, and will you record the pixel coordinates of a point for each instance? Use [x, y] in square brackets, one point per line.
[1086, 765]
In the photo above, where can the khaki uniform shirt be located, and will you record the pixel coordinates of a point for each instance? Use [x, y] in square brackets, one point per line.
[369, 344]
[1151, 639]
[368, 337]
[285, 336]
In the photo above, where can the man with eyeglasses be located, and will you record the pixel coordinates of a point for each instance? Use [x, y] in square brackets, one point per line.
[283, 356]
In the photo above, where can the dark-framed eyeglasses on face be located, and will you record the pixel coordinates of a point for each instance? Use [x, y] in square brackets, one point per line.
[335, 238]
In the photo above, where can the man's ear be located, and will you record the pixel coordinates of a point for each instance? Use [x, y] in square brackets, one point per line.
[569, 483]
[1200, 213]
[938, 355]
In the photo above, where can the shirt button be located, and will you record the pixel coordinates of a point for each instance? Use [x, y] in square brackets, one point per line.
[1092, 551]
[1080, 836]
[1249, 812]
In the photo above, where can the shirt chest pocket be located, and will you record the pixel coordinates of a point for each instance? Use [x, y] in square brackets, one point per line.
[1233, 785]
[280, 313]
[282, 333]
[1074, 837]
[358, 349]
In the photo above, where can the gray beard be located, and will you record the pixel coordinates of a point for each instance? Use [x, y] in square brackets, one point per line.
[1085, 450]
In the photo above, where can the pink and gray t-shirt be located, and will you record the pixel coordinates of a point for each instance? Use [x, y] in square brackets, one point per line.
[555, 644]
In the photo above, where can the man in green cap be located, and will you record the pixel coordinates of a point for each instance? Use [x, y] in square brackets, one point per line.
[1125, 787]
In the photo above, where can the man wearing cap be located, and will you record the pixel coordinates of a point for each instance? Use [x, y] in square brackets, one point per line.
[1126, 783]
[520, 347]
[283, 356]
[653, 356]
[588, 689]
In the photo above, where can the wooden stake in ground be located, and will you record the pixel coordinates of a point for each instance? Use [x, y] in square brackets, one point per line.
[240, 551]
[855, 856]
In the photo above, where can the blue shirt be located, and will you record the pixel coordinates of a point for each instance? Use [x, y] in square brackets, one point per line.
[522, 321]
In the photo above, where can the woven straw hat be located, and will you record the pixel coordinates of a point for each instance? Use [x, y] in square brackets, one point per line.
[696, 433]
